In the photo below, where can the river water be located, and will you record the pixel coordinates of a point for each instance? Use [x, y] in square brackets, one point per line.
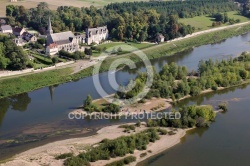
[35, 114]
[225, 142]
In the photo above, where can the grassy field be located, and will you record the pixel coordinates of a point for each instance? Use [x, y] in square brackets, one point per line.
[33, 81]
[116, 45]
[205, 22]
[136, 45]
[53, 4]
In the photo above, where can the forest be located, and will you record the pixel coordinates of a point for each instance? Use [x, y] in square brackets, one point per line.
[11, 56]
[134, 21]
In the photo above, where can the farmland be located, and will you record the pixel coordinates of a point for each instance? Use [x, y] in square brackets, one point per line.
[53, 4]
[205, 22]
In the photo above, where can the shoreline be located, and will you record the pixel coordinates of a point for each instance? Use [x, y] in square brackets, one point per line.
[44, 155]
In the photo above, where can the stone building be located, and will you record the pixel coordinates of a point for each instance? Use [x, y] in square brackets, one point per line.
[96, 35]
[66, 41]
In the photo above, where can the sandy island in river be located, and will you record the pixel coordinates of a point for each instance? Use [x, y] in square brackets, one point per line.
[45, 155]
[152, 105]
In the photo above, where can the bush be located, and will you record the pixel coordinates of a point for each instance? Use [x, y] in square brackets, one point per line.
[64, 156]
[125, 161]
[162, 131]
[223, 106]
[214, 87]
[143, 155]
[127, 127]
[76, 161]
[111, 108]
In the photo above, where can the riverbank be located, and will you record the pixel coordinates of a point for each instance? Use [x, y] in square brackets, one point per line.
[45, 155]
[9, 87]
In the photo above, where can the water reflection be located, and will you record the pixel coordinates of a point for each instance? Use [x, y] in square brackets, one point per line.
[17, 103]
[208, 96]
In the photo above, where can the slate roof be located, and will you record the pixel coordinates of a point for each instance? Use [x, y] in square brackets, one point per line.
[17, 30]
[60, 38]
[97, 30]
[6, 27]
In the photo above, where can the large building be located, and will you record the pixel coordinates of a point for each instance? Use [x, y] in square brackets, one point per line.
[6, 29]
[62, 41]
[96, 35]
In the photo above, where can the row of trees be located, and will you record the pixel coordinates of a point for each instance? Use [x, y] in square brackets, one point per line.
[191, 116]
[11, 56]
[223, 18]
[175, 82]
[76, 55]
[115, 148]
[89, 106]
[183, 9]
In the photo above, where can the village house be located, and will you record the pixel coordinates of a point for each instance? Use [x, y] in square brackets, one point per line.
[18, 31]
[19, 41]
[160, 38]
[96, 35]
[29, 37]
[7, 29]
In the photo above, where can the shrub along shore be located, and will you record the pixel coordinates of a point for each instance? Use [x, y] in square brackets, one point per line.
[18, 85]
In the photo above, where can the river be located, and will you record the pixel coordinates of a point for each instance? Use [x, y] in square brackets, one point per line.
[225, 142]
[42, 115]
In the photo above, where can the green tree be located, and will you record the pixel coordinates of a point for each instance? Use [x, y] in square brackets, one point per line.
[87, 102]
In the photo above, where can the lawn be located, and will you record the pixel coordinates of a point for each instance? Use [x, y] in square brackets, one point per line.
[205, 22]
[115, 45]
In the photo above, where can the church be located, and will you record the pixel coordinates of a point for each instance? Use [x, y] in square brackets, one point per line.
[66, 41]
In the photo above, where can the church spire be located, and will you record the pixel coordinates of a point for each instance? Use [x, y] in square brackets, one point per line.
[49, 30]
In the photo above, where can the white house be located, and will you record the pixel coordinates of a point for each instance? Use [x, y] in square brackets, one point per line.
[96, 35]
[160, 38]
[19, 41]
[6, 29]
[52, 49]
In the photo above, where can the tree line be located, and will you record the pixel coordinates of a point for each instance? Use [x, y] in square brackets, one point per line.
[11, 56]
[135, 26]
[183, 9]
[118, 147]
[191, 116]
[135, 21]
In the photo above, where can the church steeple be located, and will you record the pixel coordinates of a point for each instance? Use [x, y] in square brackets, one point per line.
[49, 30]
